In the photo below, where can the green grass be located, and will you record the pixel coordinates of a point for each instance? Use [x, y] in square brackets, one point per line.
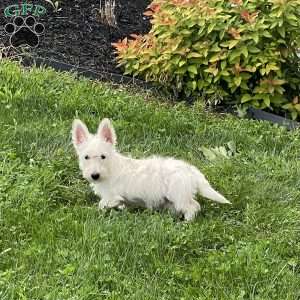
[55, 244]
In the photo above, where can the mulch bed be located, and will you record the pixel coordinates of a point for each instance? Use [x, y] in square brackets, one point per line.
[75, 35]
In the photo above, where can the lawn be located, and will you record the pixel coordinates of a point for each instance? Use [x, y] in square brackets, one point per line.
[55, 244]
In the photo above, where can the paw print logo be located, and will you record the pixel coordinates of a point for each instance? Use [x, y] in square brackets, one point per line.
[24, 31]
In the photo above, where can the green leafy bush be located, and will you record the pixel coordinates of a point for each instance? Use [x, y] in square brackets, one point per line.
[243, 51]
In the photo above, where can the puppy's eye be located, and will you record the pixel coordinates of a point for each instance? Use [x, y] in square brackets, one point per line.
[103, 156]
[87, 157]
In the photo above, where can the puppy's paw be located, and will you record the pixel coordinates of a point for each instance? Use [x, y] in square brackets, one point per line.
[116, 203]
[121, 207]
[103, 204]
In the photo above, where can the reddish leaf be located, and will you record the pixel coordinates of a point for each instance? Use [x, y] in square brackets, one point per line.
[235, 33]
[236, 2]
[153, 9]
[182, 2]
[121, 44]
[249, 18]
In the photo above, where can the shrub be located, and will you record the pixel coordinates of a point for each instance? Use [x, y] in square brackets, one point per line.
[243, 51]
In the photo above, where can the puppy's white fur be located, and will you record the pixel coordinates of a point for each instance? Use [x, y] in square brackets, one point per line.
[154, 182]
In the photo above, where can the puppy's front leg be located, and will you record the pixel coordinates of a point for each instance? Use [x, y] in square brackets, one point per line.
[112, 203]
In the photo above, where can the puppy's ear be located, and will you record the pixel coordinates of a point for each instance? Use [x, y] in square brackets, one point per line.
[106, 132]
[80, 133]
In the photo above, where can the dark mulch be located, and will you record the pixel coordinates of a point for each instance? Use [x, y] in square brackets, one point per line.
[74, 34]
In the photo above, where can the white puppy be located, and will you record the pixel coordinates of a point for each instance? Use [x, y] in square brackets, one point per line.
[153, 183]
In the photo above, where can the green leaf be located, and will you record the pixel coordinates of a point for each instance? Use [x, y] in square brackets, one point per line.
[281, 31]
[237, 80]
[193, 69]
[267, 34]
[234, 54]
[255, 37]
[210, 91]
[262, 71]
[221, 152]
[244, 86]
[279, 13]
[208, 154]
[194, 85]
[225, 73]
[175, 60]
[253, 49]
[294, 115]
[201, 30]
[233, 43]
[288, 106]
[200, 84]
[244, 51]
[246, 98]
[245, 76]
[185, 32]
[225, 44]
[266, 99]
[297, 107]
[201, 23]
[191, 23]
[214, 58]
[293, 23]
[271, 67]
[181, 63]
[211, 28]
[221, 34]
[212, 69]
[291, 16]
[181, 70]
[223, 64]
[194, 55]
[215, 48]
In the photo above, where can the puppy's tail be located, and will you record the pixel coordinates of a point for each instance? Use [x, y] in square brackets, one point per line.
[208, 192]
[205, 189]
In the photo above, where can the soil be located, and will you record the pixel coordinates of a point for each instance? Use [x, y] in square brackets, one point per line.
[75, 35]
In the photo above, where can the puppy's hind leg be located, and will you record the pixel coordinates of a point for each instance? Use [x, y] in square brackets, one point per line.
[191, 210]
[180, 193]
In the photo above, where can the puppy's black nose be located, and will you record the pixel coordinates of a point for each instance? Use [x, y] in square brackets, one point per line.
[95, 176]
